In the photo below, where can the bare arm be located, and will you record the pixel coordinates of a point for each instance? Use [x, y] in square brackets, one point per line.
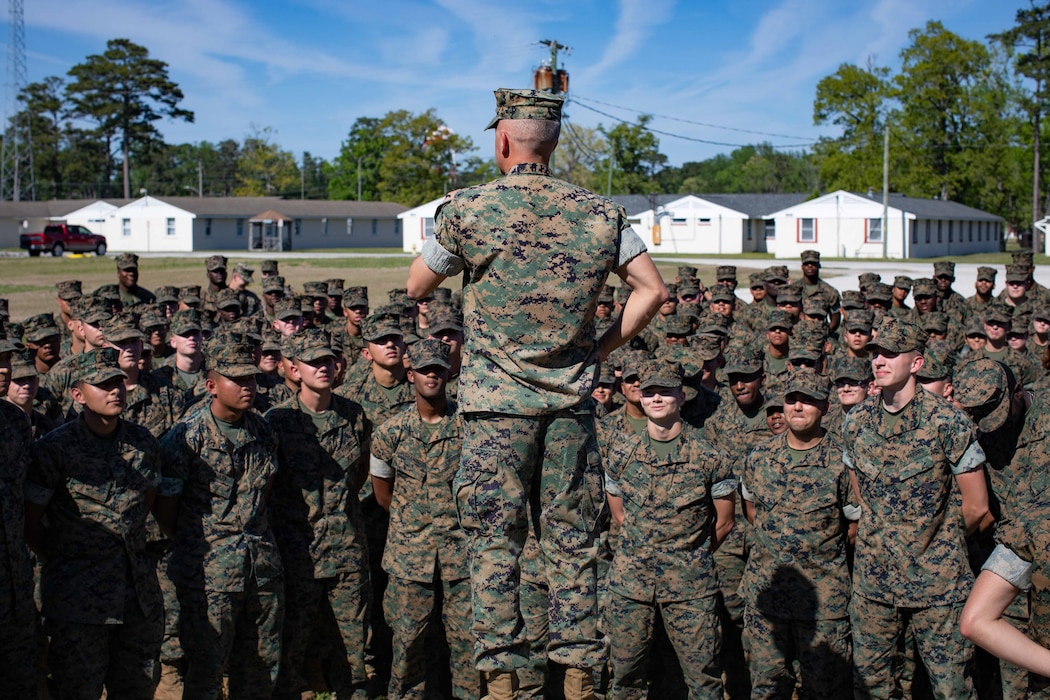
[615, 508]
[749, 511]
[974, 491]
[725, 518]
[648, 293]
[982, 623]
[422, 280]
[384, 491]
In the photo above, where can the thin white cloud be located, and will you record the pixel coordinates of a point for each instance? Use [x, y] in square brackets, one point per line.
[635, 24]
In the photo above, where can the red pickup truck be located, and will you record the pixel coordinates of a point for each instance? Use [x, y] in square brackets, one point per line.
[59, 238]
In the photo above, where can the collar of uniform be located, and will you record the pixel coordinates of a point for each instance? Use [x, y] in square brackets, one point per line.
[530, 169]
[909, 417]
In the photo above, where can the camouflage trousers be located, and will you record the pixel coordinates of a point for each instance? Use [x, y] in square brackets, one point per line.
[877, 631]
[551, 466]
[695, 634]
[730, 561]
[410, 611]
[335, 608]
[18, 653]
[236, 633]
[821, 648]
[170, 651]
[124, 659]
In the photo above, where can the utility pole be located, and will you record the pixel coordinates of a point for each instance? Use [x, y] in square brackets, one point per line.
[16, 155]
[200, 179]
[886, 191]
[555, 76]
[359, 179]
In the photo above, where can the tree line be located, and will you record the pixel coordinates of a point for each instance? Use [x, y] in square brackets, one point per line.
[963, 119]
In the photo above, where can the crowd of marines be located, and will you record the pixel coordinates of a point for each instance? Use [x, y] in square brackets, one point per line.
[269, 480]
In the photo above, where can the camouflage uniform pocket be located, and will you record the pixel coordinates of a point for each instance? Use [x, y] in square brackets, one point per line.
[476, 485]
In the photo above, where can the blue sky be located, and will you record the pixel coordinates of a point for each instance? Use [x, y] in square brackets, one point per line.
[309, 68]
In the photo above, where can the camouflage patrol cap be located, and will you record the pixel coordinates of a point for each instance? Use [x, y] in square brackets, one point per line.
[1018, 272]
[742, 359]
[847, 367]
[306, 305]
[123, 326]
[632, 361]
[335, 286]
[777, 273]
[39, 327]
[1023, 256]
[110, 292]
[807, 382]
[152, 318]
[381, 324]
[268, 267]
[722, 293]
[686, 271]
[898, 335]
[935, 322]
[273, 283]
[443, 294]
[68, 290]
[606, 374]
[355, 296]
[790, 294]
[938, 361]
[287, 308]
[215, 262]
[97, 366]
[672, 291]
[227, 298]
[190, 294]
[23, 365]
[860, 320]
[1041, 311]
[233, 360]
[688, 286]
[271, 340]
[689, 309]
[816, 306]
[1022, 321]
[429, 352]
[660, 373]
[315, 289]
[987, 274]
[250, 326]
[944, 269]
[999, 313]
[127, 261]
[982, 388]
[976, 327]
[923, 287]
[186, 321]
[804, 351]
[166, 294]
[526, 104]
[868, 279]
[810, 256]
[756, 279]
[779, 319]
[726, 273]
[678, 325]
[444, 318]
[902, 282]
[852, 300]
[310, 344]
[880, 292]
[605, 296]
[707, 348]
[93, 310]
[244, 271]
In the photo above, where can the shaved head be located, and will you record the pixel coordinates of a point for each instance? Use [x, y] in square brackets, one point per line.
[539, 136]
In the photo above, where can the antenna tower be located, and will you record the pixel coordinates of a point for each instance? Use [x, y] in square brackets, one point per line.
[16, 155]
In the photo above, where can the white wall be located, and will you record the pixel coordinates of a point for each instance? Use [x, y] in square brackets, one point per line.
[694, 225]
[417, 225]
[147, 229]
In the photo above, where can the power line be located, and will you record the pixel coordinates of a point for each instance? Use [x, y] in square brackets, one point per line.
[681, 136]
[698, 123]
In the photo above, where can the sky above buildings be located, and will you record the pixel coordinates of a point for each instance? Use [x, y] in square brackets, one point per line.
[718, 73]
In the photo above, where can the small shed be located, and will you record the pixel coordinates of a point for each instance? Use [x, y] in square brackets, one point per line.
[270, 230]
[417, 225]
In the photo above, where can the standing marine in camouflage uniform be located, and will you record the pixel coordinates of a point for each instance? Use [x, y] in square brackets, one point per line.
[537, 253]
[799, 500]
[322, 461]
[219, 463]
[673, 496]
[415, 456]
[17, 611]
[94, 480]
[215, 265]
[131, 294]
[813, 285]
[919, 472]
[354, 311]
